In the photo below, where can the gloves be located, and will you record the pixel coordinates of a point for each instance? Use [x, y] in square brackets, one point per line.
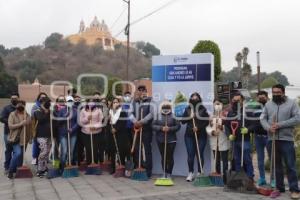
[244, 131]
[231, 137]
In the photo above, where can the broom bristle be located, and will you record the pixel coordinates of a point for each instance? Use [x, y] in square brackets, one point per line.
[139, 174]
[202, 181]
[93, 169]
[164, 182]
[53, 173]
[82, 166]
[24, 172]
[120, 172]
[216, 179]
[70, 171]
[106, 166]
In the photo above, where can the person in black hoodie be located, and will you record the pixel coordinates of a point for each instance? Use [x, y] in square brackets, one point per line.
[165, 123]
[118, 127]
[236, 114]
[43, 134]
[198, 112]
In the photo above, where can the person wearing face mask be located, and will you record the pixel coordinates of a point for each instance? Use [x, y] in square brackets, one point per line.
[141, 116]
[279, 118]
[261, 136]
[90, 119]
[118, 127]
[4, 119]
[43, 135]
[79, 148]
[35, 145]
[195, 112]
[18, 121]
[218, 140]
[236, 114]
[127, 106]
[66, 116]
[163, 124]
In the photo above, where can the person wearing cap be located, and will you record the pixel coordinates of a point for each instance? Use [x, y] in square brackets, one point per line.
[165, 123]
[141, 117]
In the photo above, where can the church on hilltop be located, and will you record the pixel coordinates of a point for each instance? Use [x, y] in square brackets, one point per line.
[96, 33]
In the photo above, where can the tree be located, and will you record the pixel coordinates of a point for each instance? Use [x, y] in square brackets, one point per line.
[207, 46]
[53, 41]
[268, 82]
[282, 79]
[8, 84]
[150, 50]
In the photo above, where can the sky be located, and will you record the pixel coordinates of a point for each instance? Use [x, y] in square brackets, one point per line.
[269, 26]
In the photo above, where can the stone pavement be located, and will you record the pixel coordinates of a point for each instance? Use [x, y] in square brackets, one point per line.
[107, 187]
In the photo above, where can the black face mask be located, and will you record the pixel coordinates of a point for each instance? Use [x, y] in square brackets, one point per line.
[194, 102]
[47, 105]
[77, 103]
[14, 102]
[20, 108]
[97, 100]
[42, 99]
[278, 99]
[262, 101]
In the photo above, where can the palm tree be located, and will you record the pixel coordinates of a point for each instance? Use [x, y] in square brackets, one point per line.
[238, 59]
[245, 53]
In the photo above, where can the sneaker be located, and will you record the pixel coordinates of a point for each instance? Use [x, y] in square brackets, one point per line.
[190, 177]
[41, 174]
[169, 176]
[261, 182]
[10, 175]
[6, 172]
[295, 195]
[34, 161]
[198, 174]
[273, 184]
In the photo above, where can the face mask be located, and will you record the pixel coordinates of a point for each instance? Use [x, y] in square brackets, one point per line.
[42, 99]
[77, 103]
[97, 100]
[127, 99]
[20, 108]
[165, 110]
[14, 102]
[278, 99]
[194, 102]
[47, 105]
[218, 107]
[262, 101]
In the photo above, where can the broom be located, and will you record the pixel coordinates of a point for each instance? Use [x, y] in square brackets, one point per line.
[275, 193]
[24, 171]
[70, 171]
[201, 180]
[164, 181]
[140, 174]
[93, 168]
[215, 177]
[53, 171]
[129, 165]
[120, 169]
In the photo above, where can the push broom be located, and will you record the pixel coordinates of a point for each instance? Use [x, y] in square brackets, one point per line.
[105, 166]
[201, 180]
[164, 181]
[120, 169]
[268, 190]
[24, 171]
[93, 168]
[215, 177]
[129, 165]
[70, 171]
[140, 173]
[53, 171]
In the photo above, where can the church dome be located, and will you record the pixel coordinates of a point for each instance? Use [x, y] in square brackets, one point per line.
[95, 23]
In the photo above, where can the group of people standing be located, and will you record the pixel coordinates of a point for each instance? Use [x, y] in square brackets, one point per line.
[122, 116]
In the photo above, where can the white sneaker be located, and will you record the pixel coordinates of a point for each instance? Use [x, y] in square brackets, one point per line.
[190, 177]
[33, 162]
[198, 174]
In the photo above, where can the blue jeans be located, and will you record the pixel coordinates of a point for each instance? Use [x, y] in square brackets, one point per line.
[35, 148]
[247, 160]
[285, 151]
[63, 141]
[17, 158]
[190, 143]
[261, 142]
[8, 152]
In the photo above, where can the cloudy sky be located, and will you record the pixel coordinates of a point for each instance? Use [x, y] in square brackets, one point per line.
[269, 26]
